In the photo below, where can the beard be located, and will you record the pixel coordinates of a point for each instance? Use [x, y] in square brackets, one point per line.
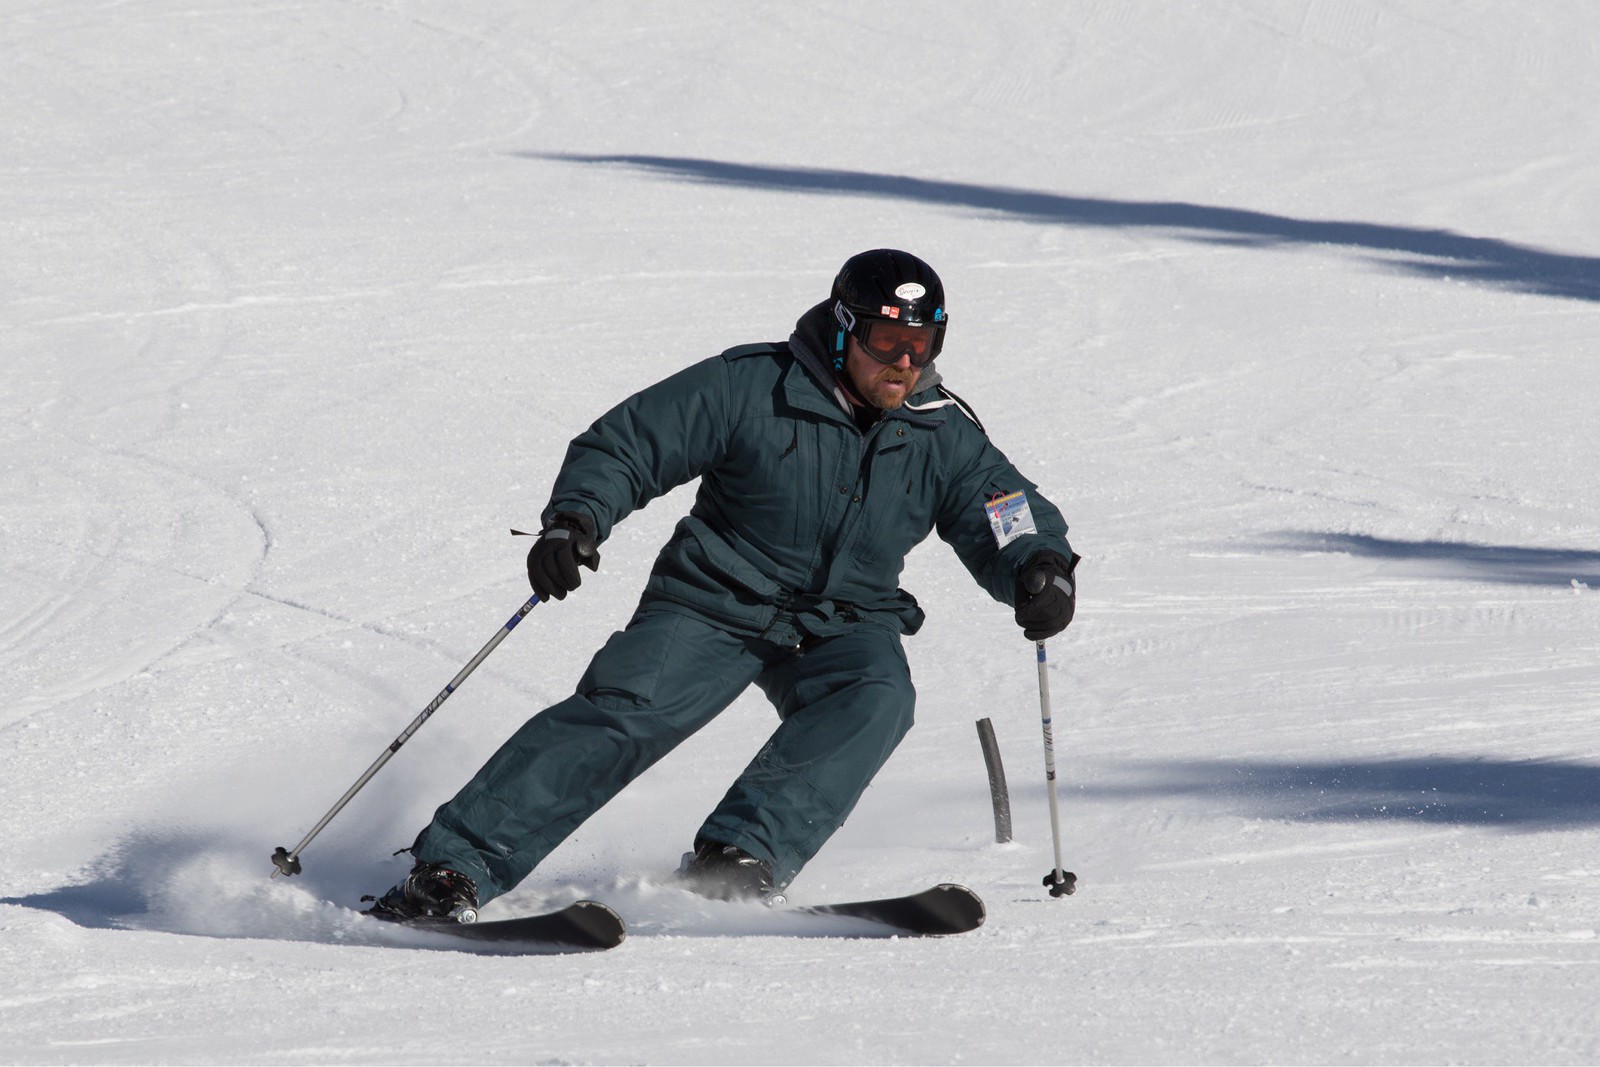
[886, 387]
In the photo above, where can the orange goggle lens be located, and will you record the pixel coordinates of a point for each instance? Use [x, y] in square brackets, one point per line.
[886, 342]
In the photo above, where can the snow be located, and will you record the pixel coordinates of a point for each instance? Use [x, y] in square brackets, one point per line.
[1291, 304]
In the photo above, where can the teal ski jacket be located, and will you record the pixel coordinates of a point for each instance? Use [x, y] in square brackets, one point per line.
[802, 521]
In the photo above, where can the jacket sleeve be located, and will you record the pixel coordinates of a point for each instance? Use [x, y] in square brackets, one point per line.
[656, 440]
[983, 474]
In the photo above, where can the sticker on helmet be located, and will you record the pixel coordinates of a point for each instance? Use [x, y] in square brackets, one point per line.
[889, 311]
[911, 291]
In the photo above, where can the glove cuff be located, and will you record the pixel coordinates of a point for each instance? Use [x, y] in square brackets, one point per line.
[1044, 569]
[575, 521]
[1058, 565]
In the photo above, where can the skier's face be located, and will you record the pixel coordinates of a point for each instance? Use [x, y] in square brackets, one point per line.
[884, 385]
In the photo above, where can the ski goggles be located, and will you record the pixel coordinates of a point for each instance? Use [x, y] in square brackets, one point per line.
[886, 341]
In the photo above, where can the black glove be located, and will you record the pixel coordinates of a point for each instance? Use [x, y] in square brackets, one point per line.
[1046, 595]
[553, 561]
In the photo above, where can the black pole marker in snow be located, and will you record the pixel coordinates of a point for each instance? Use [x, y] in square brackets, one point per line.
[286, 861]
[999, 796]
[1060, 882]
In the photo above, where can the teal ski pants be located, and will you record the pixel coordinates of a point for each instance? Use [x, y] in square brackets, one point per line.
[843, 704]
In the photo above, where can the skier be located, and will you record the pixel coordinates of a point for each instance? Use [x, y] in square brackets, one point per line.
[822, 461]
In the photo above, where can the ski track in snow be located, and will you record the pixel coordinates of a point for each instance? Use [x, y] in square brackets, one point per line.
[1292, 307]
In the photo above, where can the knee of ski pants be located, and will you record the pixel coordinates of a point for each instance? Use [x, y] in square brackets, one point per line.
[846, 704]
[628, 667]
[857, 694]
[860, 681]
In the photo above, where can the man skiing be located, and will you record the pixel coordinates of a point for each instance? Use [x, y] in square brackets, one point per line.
[822, 461]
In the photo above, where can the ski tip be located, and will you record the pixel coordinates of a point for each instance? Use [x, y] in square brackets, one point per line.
[603, 919]
[583, 926]
[947, 908]
[968, 903]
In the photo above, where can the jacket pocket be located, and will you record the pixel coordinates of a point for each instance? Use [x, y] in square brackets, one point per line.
[899, 506]
[702, 573]
[721, 561]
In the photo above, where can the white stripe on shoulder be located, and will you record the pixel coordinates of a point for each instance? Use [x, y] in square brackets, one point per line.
[946, 399]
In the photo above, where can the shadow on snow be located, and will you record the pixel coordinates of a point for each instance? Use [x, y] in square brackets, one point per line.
[200, 882]
[1509, 564]
[98, 905]
[1521, 795]
[1439, 254]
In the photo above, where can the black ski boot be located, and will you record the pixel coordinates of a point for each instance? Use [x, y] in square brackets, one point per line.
[725, 872]
[430, 893]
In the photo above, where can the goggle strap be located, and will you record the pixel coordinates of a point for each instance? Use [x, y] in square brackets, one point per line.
[844, 316]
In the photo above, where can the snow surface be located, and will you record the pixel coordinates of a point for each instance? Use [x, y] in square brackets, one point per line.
[1291, 304]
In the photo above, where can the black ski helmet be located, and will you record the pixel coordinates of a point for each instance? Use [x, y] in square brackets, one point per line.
[888, 284]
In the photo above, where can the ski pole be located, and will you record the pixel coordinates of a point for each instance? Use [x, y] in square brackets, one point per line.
[287, 861]
[1061, 882]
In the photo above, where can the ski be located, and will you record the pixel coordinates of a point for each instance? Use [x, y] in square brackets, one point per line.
[590, 926]
[936, 912]
[586, 926]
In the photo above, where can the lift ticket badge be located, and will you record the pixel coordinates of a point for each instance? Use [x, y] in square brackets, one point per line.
[1009, 517]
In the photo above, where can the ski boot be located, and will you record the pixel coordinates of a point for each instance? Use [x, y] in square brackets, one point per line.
[725, 872]
[430, 893]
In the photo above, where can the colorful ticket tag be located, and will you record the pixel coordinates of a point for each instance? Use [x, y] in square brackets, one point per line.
[1009, 517]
